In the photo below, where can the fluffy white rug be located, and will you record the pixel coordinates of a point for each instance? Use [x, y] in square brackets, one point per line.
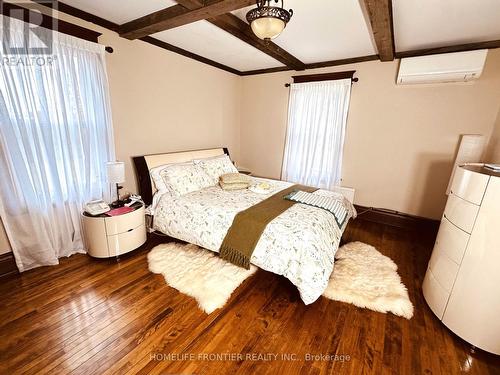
[362, 276]
[366, 278]
[197, 272]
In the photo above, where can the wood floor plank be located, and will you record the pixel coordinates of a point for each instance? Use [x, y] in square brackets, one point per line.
[86, 277]
[90, 317]
[60, 340]
[57, 312]
[94, 334]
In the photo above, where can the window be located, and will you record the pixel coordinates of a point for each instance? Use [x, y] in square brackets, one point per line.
[55, 139]
[317, 117]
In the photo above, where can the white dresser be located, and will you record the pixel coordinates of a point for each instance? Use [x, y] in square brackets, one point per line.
[462, 283]
[113, 236]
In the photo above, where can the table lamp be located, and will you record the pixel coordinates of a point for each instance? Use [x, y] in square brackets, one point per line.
[116, 175]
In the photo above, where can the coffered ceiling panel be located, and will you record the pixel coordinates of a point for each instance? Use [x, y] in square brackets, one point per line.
[322, 30]
[436, 23]
[209, 41]
[120, 11]
[319, 31]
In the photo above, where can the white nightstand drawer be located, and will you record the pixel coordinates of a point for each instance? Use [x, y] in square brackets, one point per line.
[451, 241]
[469, 185]
[124, 223]
[125, 242]
[461, 212]
[109, 236]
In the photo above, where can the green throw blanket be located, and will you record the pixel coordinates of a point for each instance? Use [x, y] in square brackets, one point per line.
[248, 226]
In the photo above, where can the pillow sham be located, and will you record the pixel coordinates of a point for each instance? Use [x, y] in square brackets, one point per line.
[216, 167]
[155, 174]
[184, 178]
[150, 210]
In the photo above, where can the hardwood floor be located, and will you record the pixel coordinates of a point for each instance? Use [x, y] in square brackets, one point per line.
[90, 317]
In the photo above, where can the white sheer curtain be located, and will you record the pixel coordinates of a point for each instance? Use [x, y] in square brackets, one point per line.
[55, 138]
[317, 116]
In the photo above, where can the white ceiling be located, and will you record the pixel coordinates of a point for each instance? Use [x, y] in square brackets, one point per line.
[209, 41]
[339, 32]
[201, 38]
[321, 30]
[435, 23]
[120, 11]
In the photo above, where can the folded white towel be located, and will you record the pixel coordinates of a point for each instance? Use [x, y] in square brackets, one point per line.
[262, 188]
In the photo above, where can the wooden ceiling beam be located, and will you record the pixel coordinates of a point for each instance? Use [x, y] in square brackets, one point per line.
[449, 49]
[380, 15]
[322, 64]
[89, 17]
[30, 14]
[242, 30]
[176, 16]
[113, 26]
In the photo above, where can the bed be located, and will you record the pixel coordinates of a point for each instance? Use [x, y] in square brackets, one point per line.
[299, 244]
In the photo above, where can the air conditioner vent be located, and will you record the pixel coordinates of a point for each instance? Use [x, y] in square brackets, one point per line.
[443, 68]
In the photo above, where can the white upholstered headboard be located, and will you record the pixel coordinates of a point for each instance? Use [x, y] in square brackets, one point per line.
[143, 164]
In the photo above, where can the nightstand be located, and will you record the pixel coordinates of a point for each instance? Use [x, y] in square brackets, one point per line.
[112, 236]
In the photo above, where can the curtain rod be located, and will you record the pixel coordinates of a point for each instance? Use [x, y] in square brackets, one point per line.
[355, 79]
[349, 74]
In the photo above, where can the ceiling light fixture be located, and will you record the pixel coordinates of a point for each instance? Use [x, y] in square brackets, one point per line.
[268, 21]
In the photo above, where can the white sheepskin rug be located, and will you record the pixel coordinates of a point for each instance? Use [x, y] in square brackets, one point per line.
[366, 278]
[361, 276]
[198, 272]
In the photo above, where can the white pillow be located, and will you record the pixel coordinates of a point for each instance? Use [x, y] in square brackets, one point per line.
[184, 178]
[216, 167]
[157, 178]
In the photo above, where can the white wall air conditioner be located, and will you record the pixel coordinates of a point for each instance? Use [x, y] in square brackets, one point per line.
[448, 67]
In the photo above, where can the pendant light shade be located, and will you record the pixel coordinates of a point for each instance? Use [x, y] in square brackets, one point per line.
[268, 27]
[268, 21]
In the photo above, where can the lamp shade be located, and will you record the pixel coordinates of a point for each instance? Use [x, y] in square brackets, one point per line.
[116, 172]
[267, 27]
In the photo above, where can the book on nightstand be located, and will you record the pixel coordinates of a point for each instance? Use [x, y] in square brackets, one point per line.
[120, 211]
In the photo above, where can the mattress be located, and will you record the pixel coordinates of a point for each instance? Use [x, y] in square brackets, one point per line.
[300, 244]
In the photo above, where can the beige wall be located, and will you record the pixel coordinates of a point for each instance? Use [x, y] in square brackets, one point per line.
[162, 101]
[400, 141]
[493, 155]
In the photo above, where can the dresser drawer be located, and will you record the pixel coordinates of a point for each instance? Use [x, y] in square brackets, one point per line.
[435, 295]
[461, 212]
[124, 223]
[451, 241]
[125, 242]
[469, 185]
[444, 270]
